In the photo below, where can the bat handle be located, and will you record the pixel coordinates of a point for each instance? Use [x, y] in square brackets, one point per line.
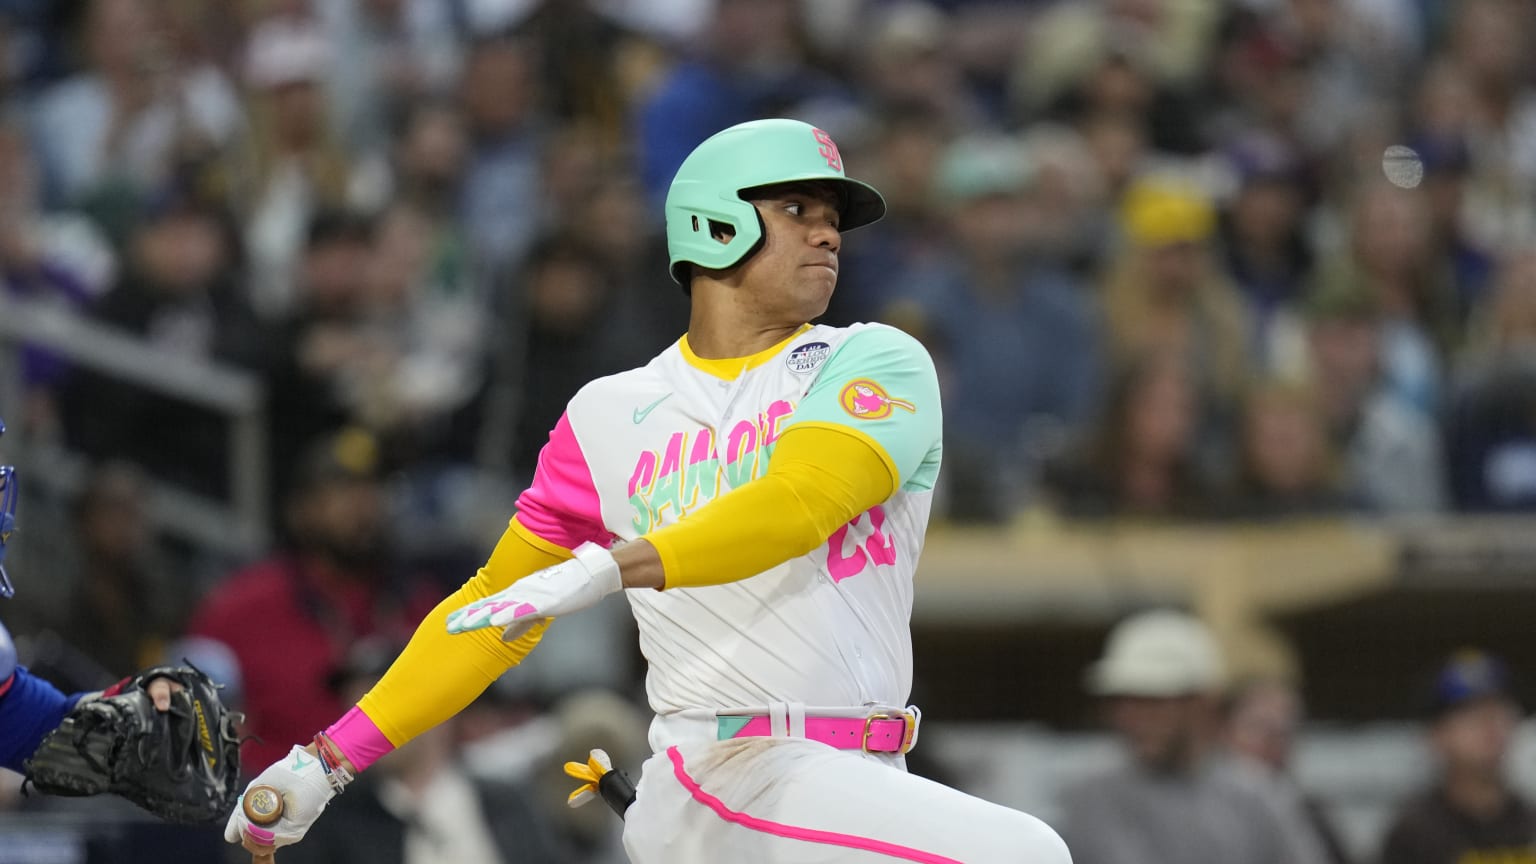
[263, 806]
[260, 853]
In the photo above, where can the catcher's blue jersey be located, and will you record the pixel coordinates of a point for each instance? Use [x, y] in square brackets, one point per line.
[29, 708]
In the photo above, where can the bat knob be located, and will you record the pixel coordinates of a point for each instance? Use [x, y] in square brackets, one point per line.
[263, 805]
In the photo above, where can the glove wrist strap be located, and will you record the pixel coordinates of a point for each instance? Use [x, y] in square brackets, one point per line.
[599, 563]
[336, 772]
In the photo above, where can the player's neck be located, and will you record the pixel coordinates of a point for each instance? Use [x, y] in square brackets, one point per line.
[721, 337]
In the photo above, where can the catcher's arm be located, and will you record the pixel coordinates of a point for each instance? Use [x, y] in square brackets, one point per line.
[29, 709]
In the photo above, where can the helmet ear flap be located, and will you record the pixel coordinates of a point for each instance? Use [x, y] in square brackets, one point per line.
[716, 238]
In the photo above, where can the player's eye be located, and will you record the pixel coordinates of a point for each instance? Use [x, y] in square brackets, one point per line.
[794, 208]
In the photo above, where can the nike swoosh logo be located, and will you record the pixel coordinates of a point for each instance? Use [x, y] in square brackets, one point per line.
[299, 764]
[642, 413]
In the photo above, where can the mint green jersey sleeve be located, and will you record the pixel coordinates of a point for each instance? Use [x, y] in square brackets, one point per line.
[881, 384]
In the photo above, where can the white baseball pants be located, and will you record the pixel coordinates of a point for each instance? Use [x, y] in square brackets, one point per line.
[794, 801]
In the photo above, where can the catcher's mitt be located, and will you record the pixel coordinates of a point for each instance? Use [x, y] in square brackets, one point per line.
[182, 765]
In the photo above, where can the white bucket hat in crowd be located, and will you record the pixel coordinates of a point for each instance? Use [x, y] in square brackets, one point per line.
[1157, 654]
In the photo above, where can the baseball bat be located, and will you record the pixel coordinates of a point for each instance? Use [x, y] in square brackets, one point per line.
[263, 805]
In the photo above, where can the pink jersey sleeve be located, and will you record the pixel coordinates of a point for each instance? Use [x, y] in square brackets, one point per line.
[561, 505]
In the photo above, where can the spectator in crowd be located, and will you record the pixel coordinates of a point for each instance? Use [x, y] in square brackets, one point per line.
[904, 155]
[501, 94]
[1486, 43]
[1119, 148]
[592, 65]
[1020, 343]
[425, 332]
[388, 54]
[116, 129]
[1166, 293]
[1124, 59]
[1470, 812]
[421, 802]
[295, 164]
[332, 583]
[1390, 452]
[58, 258]
[1389, 257]
[567, 338]
[1440, 133]
[610, 219]
[317, 354]
[124, 606]
[1265, 250]
[752, 60]
[1072, 195]
[429, 158]
[1142, 459]
[1285, 462]
[178, 295]
[1263, 716]
[908, 67]
[1171, 800]
[1491, 418]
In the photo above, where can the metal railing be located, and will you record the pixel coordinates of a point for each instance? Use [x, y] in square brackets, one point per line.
[239, 525]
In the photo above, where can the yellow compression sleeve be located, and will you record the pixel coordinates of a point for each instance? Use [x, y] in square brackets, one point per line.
[820, 477]
[438, 674]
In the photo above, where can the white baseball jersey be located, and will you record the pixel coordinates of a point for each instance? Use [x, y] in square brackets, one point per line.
[641, 449]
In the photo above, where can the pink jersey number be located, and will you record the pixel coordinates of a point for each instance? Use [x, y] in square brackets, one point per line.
[879, 548]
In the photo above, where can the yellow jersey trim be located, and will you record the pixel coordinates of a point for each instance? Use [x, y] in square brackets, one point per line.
[729, 368]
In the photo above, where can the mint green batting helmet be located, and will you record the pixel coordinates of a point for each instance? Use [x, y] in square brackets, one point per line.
[708, 188]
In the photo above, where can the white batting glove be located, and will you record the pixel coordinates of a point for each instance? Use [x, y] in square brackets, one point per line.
[305, 794]
[567, 587]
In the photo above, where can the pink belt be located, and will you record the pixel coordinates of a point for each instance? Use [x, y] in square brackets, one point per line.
[893, 732]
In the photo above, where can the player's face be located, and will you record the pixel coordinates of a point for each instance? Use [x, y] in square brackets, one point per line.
[794, 273]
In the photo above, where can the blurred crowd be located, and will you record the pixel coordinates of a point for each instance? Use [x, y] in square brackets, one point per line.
[1175, 259]
[1204, 771]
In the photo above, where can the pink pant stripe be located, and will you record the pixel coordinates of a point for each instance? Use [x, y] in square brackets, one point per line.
[793, 832]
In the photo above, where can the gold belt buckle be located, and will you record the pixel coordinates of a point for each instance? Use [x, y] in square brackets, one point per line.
[908, 730]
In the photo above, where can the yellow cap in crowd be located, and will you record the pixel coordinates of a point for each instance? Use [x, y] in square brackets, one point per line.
[1165, 211]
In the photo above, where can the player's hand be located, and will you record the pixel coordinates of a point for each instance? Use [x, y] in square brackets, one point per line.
[159, 689]
[567, 587]
[305, 794]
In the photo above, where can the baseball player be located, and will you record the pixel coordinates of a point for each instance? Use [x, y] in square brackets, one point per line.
[30, 707]
[761, 488]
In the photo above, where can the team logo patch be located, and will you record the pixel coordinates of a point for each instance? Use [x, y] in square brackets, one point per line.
[806, 357]
[828, 150]
[866, 400]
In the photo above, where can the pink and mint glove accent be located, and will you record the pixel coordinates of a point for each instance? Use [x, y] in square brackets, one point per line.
[305, 790]
[567, 587]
